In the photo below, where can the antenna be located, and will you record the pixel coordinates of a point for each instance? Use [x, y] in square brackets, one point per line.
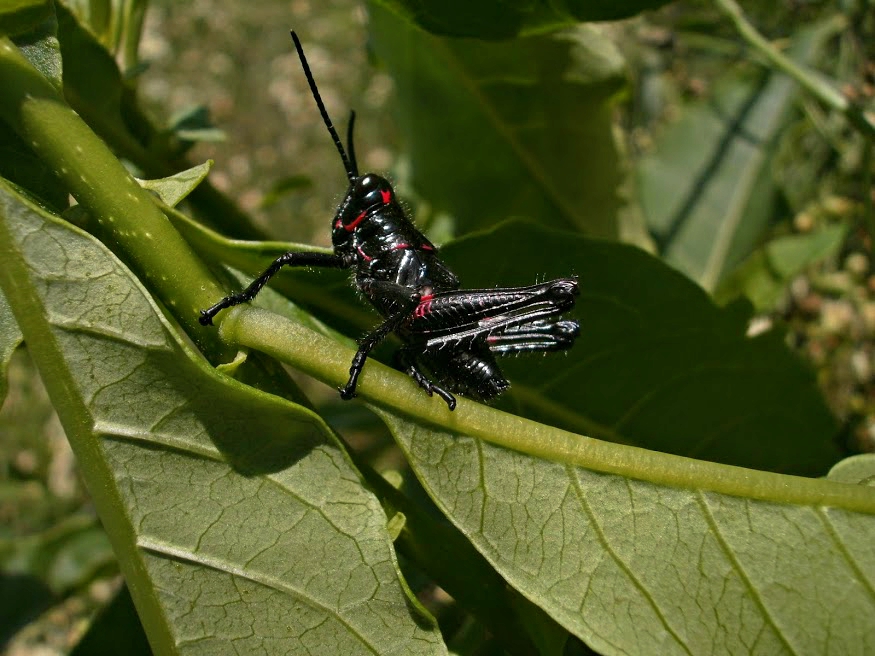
[348, 163]
[350, 145]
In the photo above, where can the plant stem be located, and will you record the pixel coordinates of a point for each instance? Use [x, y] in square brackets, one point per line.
[395, 392]
[809, 80]
[123, 214]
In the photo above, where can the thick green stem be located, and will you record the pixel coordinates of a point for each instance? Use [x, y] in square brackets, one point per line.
[123, 214]
[390, 390]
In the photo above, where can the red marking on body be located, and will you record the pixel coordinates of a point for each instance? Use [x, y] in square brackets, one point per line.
[398, 247]
[366, 258]
[352, 224]
[427, 247]
[424, 306]
[387, 196]
[338, 223]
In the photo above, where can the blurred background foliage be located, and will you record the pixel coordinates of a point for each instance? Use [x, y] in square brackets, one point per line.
[734, 174]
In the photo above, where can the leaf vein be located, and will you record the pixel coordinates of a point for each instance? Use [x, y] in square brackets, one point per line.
[271, 582]
[575, 482]
[736, 565]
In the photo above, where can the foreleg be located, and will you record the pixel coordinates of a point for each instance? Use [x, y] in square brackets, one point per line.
[294, 259]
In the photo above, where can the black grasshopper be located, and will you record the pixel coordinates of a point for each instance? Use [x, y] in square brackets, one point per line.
[449, 335]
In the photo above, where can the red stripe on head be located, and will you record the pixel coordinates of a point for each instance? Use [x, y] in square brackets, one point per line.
[387, 196]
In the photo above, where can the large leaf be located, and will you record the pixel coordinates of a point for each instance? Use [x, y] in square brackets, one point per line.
[10, 338]
[487, 20]
[496, 130]
[657, 363]
[238, 521]
[707, 190]
[639, 553]
[764, 276]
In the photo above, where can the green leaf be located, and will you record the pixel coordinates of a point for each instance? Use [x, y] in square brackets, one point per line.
[95, 14]
[18, 16]
[65, 557]
[856, 470]
[503, 20]
[764, 276]
[634, 551]
[707, 191]
[709, 559]
[193, 124]
[10, 338]
[516, 129]
[238, 521]
[116, 24]
[92, 82]
[700, 555]
[174, 189]
[657, 363]
[41, 48]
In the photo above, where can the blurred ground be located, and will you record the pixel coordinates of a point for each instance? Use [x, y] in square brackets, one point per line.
[239, 61]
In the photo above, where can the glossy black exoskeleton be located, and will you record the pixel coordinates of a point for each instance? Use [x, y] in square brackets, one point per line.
[449, 335]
